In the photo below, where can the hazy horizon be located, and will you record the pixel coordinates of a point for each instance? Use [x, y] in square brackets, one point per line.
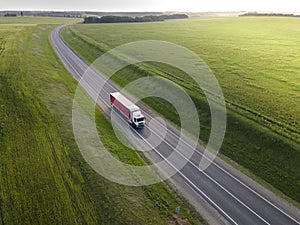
[153, 5]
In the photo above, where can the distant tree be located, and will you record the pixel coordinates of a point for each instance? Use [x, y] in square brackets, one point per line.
[127, 19]
[21, 13]
[268, 14]
[91, 19]
[116, 19]
[177, 16]
[10, 14]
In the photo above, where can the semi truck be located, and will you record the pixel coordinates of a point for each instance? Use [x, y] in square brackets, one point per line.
[128, 109]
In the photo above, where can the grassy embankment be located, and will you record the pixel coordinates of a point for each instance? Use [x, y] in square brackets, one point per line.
[256, 61]
[43, 177]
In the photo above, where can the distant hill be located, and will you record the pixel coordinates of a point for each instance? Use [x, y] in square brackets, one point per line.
[128, 14]
[139, 15]
[215, 14]
[42, 13]
[81, 13]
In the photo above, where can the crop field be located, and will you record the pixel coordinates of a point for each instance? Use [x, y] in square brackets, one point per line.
[43, 177]
[257, 63]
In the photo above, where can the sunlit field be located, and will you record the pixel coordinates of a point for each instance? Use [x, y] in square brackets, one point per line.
[43, 177]
[257, 63]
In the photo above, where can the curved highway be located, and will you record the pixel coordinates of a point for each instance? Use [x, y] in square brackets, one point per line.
[236, 200]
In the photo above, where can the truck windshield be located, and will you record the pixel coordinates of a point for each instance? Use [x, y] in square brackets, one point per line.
[140, 119]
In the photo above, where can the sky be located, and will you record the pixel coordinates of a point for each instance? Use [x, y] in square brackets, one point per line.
[153, 5]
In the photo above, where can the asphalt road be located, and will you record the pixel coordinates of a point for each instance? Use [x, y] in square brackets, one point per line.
[232, 198]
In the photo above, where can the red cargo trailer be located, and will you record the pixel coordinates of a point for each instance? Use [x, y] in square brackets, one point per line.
[128, 109]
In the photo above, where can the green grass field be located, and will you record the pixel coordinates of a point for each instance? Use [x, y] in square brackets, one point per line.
[43, 177]
[257, 63]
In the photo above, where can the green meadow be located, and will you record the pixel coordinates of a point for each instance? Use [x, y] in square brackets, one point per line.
[43, 177]
[257, 63]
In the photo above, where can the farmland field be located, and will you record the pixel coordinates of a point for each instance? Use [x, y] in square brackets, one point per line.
[43, 177]
[257, 63]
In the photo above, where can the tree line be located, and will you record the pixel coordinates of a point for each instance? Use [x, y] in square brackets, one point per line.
[270, 14]
[127, 19]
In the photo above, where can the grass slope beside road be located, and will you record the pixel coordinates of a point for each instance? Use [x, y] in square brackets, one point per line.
[43, 177]
[256, 61]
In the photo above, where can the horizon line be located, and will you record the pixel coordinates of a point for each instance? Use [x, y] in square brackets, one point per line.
[141, 11]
